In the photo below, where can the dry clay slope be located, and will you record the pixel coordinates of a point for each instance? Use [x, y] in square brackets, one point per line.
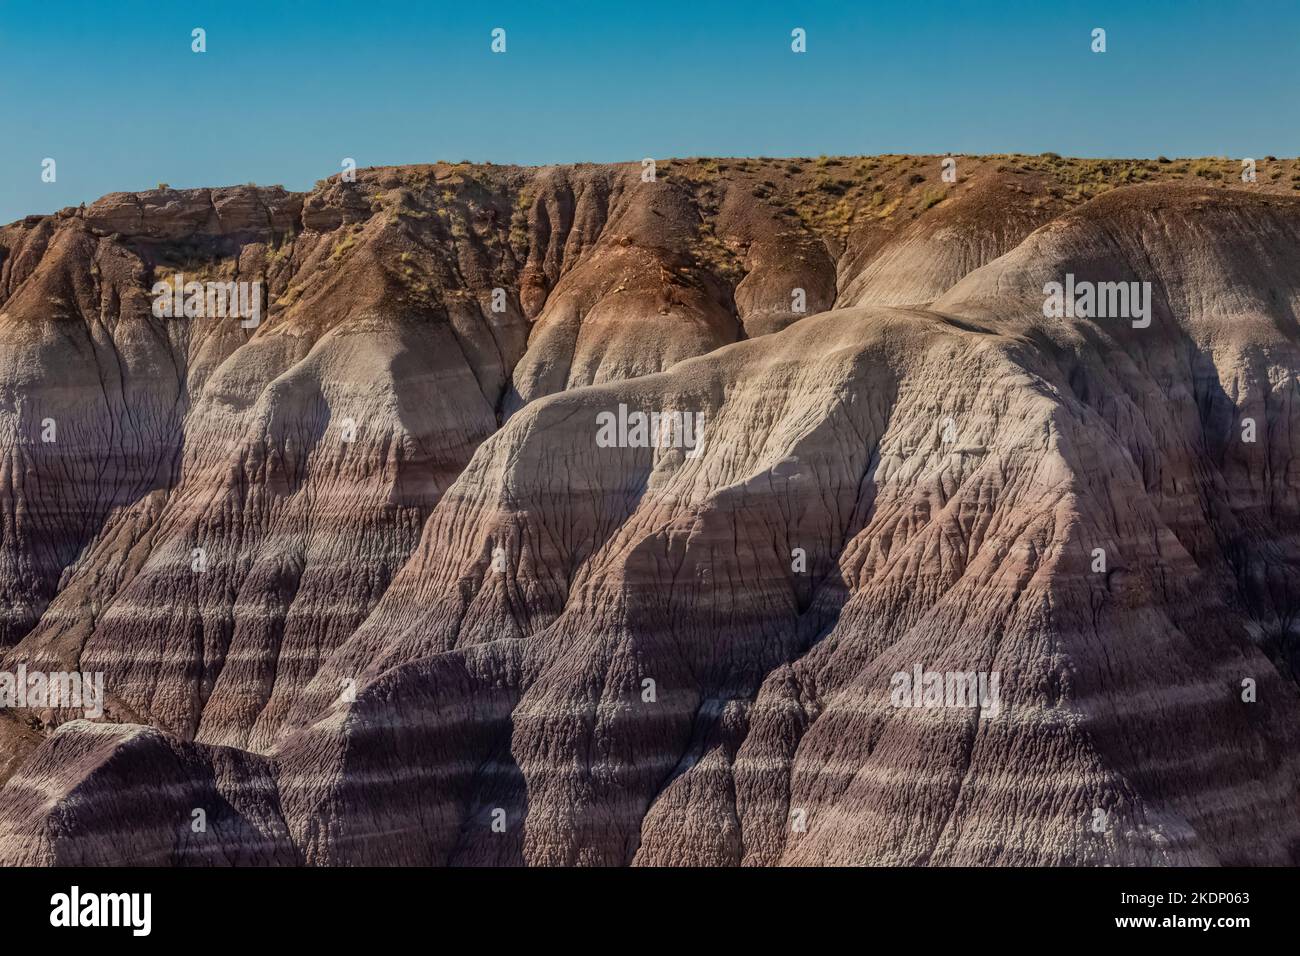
[181, 437]
[184, 435]
[949, 474]
[185, 440]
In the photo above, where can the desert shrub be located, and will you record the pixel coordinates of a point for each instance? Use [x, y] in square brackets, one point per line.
[1205, 170]
[931, 198]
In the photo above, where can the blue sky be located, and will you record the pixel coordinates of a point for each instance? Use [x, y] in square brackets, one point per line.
[111, 90]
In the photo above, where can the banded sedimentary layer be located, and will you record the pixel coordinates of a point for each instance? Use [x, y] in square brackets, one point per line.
[365, 587]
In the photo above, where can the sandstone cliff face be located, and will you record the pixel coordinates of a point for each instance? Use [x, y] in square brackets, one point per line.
[434, 619]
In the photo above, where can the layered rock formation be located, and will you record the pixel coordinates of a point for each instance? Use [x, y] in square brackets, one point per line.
[367, 585]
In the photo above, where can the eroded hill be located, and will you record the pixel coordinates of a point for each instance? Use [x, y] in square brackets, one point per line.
[436, 620]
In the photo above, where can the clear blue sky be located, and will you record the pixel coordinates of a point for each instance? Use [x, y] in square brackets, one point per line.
[111, 90]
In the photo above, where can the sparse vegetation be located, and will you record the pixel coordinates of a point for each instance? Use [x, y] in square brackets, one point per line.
[1206, 169]
[342, 246]
[932, 198]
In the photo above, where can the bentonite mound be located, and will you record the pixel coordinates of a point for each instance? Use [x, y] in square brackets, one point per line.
[366, 584]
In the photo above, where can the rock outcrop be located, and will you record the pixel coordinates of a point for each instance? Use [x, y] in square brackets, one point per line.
[368, 584]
